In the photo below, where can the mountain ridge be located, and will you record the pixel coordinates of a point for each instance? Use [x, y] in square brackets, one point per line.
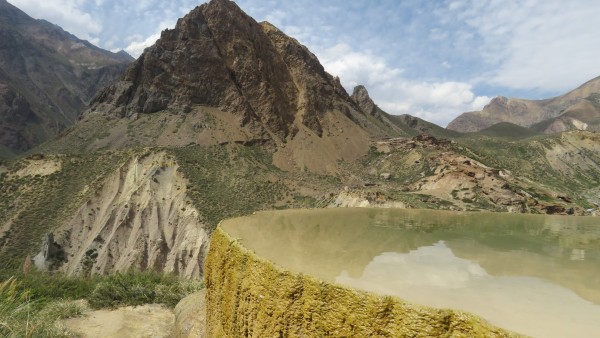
[529, 113]
[48, 75]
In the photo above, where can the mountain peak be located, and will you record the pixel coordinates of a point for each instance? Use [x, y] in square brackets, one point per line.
[360, 95]
[575, 110]
[218, 56]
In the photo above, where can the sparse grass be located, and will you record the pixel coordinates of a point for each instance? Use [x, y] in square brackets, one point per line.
[305, 201]
[421, 201]
[137, 288]
[31, 305]
[23, 316]
[507, 131]
[227, 181]
[38, 204]
[527, 159]
[63, 309]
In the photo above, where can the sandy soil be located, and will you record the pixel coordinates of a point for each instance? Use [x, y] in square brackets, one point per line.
[149, 320]
[42, 167]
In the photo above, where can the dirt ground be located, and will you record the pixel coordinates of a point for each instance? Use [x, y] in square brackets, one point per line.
[144, 321]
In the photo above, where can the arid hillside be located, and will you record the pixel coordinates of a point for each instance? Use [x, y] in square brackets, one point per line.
[578, 109]
[47, 77]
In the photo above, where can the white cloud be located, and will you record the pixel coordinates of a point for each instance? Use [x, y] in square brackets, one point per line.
[438, 102]
[357, 67]
[65, 13]
[138, 43]
[136, 47]
[548, 45]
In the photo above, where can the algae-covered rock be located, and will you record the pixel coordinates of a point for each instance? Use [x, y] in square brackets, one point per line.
[248, 296]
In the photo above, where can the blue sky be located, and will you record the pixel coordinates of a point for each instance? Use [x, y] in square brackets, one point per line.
[430, 58]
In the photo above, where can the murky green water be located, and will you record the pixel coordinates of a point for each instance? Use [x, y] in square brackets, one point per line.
[536, 275]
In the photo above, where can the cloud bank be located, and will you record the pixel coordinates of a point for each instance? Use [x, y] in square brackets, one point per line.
[67, 14]
[548, 46]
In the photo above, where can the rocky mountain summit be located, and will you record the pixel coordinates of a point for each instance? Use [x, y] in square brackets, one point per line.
[220, 57]
[360, 95]
[47, 77]
[578, 109]
[236, 80]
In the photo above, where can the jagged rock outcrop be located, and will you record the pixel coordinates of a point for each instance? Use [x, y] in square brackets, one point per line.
[47, 76]
[402, 125]
[578, 109]
[360, 95]
[215, 56]
[51, 254]
[247, 82]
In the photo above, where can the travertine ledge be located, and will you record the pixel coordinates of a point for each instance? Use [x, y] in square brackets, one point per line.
[248, 296]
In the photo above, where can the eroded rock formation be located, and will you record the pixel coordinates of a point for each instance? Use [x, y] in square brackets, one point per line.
[140, 218]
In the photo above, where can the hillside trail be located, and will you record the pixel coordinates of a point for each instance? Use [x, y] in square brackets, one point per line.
[146, 321]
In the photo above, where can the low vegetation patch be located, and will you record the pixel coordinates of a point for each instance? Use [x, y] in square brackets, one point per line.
[227, 181]
[23, 316]
[137, 288]
[38, 204]
[31, 304]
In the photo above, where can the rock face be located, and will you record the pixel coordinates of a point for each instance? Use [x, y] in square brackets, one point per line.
[220, 57]
[190, 316]
[47, 76]
[360, 95]
[401, 125]
[15, 114]
[575, 110]
[274, 89]
[140, 218]
[50, 255]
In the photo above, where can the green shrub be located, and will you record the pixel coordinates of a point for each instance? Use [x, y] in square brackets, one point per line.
[48, 287]
[136, 288]
[62, 309]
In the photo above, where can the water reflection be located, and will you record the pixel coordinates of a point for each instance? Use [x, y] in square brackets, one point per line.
[515, 270]
[433, 275]
[426, 267]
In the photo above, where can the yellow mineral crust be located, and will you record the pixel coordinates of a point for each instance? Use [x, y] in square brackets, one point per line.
[248, 296]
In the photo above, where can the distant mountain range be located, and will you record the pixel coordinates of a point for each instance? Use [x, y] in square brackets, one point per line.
[47, 77]
[578, 109]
